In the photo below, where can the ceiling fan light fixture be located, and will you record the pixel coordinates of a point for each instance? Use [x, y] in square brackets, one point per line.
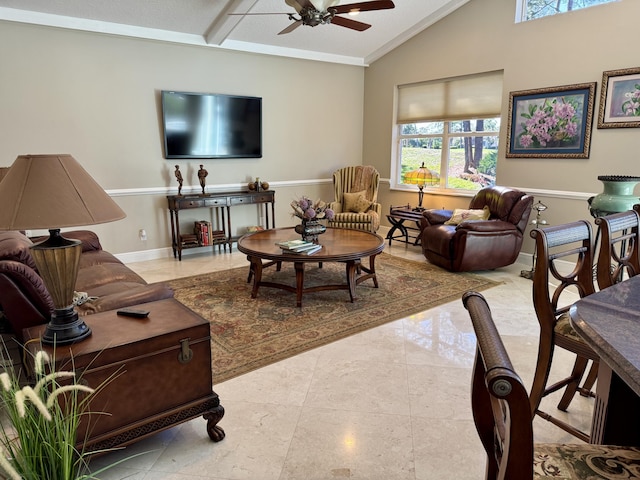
[323, 5]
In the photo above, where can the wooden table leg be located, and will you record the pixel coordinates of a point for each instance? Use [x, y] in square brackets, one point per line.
[372, 269]
[256, 269]
[299, 266]
[352, 267]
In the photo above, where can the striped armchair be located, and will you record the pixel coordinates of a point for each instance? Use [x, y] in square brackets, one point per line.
[356, 197]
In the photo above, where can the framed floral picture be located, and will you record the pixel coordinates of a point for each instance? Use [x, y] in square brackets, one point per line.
[553, 122]
[620, 99]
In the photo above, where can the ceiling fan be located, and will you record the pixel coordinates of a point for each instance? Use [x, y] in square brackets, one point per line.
[322, 12]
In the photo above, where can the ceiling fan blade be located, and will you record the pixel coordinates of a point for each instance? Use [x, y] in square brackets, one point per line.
[364, 6]
[291, 27]
[352, 24]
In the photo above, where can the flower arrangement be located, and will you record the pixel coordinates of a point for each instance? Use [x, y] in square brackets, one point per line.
[307, 209]
[554, 123]
[631, 107]
[38, 441]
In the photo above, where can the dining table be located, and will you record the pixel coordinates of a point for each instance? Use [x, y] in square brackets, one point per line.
[609, 322]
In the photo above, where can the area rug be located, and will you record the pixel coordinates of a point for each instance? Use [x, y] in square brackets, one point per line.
[247, 333]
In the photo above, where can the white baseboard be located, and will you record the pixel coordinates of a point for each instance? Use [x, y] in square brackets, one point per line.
[155, 254]
[144, 255]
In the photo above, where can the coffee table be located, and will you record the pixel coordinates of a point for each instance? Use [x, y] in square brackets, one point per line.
[338, 245]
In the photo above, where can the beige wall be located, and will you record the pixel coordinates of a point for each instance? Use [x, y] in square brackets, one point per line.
[97, 97]
[566, 49]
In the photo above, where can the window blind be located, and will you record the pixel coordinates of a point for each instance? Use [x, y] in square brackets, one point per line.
[473, 96]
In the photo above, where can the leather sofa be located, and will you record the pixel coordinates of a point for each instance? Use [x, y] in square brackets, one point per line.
[473, 245]
[25, 301]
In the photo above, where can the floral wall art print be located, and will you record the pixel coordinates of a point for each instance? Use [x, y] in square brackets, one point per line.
[620, 99]
[552, 122]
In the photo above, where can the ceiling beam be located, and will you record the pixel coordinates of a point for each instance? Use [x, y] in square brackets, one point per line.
[224, 23]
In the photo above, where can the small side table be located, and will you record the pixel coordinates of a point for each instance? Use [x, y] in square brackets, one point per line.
[408, 233]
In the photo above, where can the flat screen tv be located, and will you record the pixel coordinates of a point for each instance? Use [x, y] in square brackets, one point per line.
[208, 125]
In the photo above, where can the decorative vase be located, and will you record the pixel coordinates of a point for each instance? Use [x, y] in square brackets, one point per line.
[310, 229]
[617, 196]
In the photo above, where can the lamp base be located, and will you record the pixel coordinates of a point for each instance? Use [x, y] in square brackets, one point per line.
[65, 327]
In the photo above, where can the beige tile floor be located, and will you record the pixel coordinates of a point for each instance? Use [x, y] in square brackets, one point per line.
[391, 403]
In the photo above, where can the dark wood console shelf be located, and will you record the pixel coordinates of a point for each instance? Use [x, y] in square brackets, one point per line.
[223, 201]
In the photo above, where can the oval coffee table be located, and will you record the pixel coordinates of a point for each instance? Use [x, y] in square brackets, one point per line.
[338, 245]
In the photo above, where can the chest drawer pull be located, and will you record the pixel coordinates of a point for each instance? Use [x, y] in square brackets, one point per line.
[186, 354]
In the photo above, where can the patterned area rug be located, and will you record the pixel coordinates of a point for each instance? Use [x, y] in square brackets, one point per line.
[250, 333]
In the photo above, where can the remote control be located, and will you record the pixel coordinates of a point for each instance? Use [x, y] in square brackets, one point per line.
[133, 312]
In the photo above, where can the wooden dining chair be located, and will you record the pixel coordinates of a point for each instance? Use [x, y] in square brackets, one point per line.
[563, 274]
[619, 255]
[503, 420]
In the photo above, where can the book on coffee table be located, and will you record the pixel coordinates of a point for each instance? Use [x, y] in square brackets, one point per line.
[295, 244]
[305, 251]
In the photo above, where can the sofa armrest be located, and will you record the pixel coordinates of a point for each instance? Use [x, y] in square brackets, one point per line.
[16, 246]
[24, 298]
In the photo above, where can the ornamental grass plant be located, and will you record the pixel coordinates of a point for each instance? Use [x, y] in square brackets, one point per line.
[40, 423]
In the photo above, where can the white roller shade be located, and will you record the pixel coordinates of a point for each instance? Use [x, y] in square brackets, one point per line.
[474, 96]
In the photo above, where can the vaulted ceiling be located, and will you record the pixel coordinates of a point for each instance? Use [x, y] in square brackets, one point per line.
[208, 22]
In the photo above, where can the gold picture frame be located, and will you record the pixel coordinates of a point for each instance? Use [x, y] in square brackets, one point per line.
[552, 122]
[620, 99]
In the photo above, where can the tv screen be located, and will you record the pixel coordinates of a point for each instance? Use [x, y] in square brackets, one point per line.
[208, 125]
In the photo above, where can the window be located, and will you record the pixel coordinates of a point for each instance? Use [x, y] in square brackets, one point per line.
[452, 127]
[532, 9]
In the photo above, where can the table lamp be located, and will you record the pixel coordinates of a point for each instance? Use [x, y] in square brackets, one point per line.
[421, 177]
[52, 192]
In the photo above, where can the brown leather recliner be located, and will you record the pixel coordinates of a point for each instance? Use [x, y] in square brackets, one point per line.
[478, 244]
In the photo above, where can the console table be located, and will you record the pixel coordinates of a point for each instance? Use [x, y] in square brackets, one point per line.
[223, 201]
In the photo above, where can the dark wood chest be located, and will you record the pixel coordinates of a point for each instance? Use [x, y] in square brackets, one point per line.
[156, 372]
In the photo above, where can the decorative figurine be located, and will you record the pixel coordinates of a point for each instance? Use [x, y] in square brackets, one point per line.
[202, 175]
[178, 175]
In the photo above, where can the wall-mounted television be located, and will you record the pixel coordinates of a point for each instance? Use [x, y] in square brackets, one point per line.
[210, 125]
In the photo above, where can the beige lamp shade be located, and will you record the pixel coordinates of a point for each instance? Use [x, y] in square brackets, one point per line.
[52, 191]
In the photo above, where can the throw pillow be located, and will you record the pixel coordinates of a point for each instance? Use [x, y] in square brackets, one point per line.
[460, 215]
[356, 202]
